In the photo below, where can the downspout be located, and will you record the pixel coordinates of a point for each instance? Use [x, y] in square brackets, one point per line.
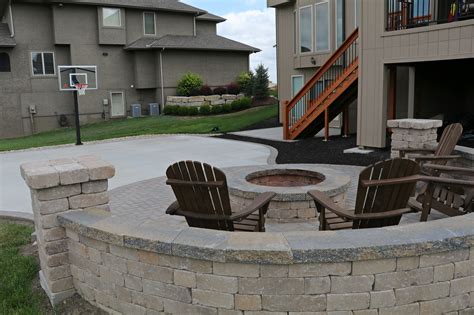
[161, 77]
[12, 31]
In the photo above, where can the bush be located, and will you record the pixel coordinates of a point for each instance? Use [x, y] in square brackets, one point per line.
[245, 82]
[206, 90]
[195, 92]
[236, 105]
[226, 108]
[233, 88]
[193, 111]
[205, 110]
[182, 111]
[220, 90]
[216, 109]
[188, 83]
[245, 102]
[260, 87]
[170, 110]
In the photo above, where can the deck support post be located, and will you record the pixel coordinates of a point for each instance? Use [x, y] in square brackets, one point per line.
[286, 123]
[326, 125]
[345, 122]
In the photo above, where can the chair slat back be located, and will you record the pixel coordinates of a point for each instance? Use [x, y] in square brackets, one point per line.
[197, 197]
[447, 142]
[384, 198]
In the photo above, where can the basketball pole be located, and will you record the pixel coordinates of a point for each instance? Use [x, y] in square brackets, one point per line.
[76, 114]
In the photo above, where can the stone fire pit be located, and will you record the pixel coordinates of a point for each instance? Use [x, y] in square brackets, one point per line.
[290, 182]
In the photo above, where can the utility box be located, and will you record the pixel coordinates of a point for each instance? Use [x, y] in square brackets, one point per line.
[136, 110]
[154, 109]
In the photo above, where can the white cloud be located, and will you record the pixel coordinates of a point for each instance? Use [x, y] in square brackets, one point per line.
[255, 28]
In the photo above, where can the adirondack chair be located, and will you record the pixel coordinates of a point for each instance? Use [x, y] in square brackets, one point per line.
[442, 153]
[203, 199]
[382, 197]
[449, 196]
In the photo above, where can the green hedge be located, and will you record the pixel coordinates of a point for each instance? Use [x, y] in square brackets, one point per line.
[237, 105]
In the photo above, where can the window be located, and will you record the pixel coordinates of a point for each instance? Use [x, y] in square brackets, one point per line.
[340, 9]
[322, 26]
[111, 17]
[306, 29]
[149, 23]
[42, 63]
[297, 82]
[295, 34]
[4, 62]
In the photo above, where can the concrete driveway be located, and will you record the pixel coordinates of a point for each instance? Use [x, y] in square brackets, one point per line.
[135, 159]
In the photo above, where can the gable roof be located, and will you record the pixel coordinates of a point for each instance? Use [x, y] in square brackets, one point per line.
[159, 5]
[5, 37]
[198, 42]
[210, 17]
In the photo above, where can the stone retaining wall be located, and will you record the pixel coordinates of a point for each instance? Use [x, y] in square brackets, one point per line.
[424, 268]
[202, 100]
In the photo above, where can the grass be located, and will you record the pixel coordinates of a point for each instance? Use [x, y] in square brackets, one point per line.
[16, 271]
[144, 126]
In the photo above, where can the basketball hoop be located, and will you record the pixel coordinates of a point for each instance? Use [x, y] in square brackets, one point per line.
[81, 88]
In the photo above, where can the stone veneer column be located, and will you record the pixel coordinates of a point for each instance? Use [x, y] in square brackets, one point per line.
[413, 134]
[59, 186]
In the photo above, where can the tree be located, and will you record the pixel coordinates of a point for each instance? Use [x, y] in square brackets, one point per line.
[245, 81]
[261, 81]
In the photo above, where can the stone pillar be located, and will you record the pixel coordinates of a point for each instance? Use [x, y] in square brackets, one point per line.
[56, 187]
[413, 133]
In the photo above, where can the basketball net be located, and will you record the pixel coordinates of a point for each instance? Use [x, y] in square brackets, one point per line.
[81, 88]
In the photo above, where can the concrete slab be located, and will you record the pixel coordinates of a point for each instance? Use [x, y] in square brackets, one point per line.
[358, 151]
[276, 134]
[135, 159]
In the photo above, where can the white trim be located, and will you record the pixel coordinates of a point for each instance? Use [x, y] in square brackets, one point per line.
[356, 16]
[42, 61]
[94, 69]
[154, 23]
[329, 28]
[123, 102]
[312, 30]
[336, 23]
[194, 26]
[120, 17]
[296, 32]
[12, 31]
[296, 76]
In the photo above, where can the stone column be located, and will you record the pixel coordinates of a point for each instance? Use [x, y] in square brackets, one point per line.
[413, 133]
[56, 187]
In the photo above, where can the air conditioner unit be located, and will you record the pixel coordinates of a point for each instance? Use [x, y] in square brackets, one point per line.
[154, 109]
[136, 110]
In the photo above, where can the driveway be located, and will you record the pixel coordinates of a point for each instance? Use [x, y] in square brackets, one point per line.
[135, 160]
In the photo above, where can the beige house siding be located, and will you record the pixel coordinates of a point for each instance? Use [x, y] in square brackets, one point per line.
[379, 48]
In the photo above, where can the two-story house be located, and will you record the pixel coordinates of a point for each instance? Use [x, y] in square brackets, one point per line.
[383, 58]
[140, 47]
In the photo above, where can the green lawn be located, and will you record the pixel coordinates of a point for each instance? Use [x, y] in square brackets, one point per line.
[144, 126]
[16, 271]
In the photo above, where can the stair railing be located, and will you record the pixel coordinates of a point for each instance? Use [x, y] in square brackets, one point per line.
[325, 79]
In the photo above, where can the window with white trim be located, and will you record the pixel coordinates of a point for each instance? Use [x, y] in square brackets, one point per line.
[42, 63]
[322, 17]
[340, 8]
[111, 17]
[306, 29]
[149, 27]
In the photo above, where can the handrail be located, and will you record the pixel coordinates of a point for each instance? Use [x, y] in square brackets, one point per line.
[310, 93]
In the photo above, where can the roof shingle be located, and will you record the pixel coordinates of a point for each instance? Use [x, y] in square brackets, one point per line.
[199, 42]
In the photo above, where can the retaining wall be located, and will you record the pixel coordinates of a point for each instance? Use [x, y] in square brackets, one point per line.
[425, 268]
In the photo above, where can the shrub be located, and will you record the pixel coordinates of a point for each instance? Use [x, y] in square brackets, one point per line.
[220, 90]
[170, 110]
[193, 111]
[182, 110]
[216, 109]
[236, 105]
[226, 108]
[245, 82]
[260, 87]
[206, 90]
[233, 88]
[245, 102]
[189, 82]
[195, 92]
[205, 110]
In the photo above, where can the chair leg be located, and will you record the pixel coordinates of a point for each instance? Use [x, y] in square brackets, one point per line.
[427, 199]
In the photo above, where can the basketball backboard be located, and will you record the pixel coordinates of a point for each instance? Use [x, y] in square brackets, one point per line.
[69, 76]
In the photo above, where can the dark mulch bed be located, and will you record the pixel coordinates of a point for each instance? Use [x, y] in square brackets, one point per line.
[315, 150]
[263, 102]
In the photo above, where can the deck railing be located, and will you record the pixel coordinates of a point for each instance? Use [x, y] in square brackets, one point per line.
[405, 14]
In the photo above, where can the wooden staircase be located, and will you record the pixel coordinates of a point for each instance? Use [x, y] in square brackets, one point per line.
[328, 93]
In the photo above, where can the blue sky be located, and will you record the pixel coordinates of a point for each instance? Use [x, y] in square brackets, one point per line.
[249, 22]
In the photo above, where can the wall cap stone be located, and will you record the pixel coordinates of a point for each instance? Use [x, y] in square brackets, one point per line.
[277, 248]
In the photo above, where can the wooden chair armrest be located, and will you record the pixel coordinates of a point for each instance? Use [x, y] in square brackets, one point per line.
[173, 208]
[322, 199]
[261, 201]
[381, 215]
[450, 169]
[436, 158]
[447, 181]
[391, 181]
[178, 182]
